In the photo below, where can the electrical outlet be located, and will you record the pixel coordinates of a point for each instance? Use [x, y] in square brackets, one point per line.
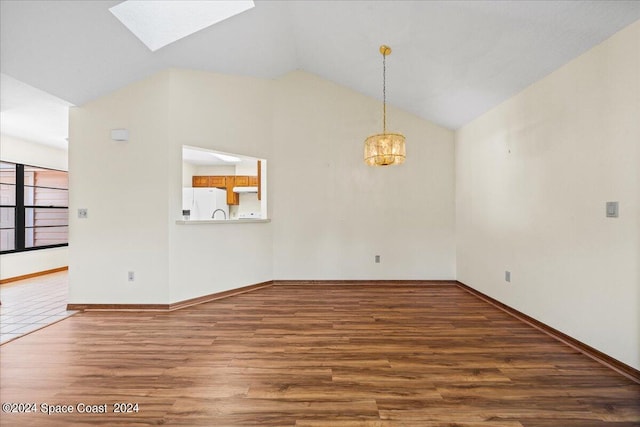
[131, 276]
[507, 276]
[377, 259]
[83, 213]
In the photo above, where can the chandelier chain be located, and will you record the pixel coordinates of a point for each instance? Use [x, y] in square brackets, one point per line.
[384, 149]
[384, 93]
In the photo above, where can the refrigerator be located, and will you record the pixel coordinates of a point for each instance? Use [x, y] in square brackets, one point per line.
[203, 202]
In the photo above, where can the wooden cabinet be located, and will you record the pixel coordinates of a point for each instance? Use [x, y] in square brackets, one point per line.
[227, 182]
[218, 181]
[259, 180]
[232, 198]
[242, 181]
[200, 181]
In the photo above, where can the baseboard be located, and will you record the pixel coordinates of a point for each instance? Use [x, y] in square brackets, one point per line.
[365, 282]
[244, 289]
[32, 275]
[169, 307]
[606, 360]
[119, 307]
[220, 295]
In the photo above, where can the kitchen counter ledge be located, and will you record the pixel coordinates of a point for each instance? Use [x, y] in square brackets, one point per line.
[220, 221]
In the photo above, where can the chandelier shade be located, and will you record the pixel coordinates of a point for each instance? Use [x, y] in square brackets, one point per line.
[384, 149]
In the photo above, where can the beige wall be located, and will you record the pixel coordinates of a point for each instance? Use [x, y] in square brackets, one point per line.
[323, 206]
[125, 186]
[332, 214]
[230, 114]
[532, 179]
[17, 150]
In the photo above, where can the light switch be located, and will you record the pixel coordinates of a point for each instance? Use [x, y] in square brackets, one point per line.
[612, 209]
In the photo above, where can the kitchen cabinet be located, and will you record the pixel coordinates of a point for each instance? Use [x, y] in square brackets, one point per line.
[227, 182]
[232, 197]
[259, 180]
[218, 181]
[200, 181]
[241, 181]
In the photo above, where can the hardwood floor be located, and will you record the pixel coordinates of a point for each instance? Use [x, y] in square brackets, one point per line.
[287, 355]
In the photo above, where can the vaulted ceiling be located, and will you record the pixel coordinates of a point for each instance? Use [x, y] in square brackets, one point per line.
[451, 61]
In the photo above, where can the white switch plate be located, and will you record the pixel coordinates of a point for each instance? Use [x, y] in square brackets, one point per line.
[83, 213]
[612, 209]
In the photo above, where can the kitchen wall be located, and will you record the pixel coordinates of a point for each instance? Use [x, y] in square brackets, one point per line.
[332, 214]
[17, 150]
[532, 179]
[249, 202]
[188, 171]
[215, 170]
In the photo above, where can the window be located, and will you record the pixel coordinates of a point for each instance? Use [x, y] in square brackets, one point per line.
[34, 208]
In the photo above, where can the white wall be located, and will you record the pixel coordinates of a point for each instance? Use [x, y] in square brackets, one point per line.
[233, 115]
[332, 214]
[17, 150]
[324, 206]
[215, 170]
[24, 263]
[532, 179]
[133, 190]
[125, 187]
[188, 171]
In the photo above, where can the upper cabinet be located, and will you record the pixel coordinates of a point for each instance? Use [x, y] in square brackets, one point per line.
[227, 182]
[242, 181]
[200, 181]
[218, 181]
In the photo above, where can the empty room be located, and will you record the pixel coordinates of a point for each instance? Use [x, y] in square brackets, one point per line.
[320, 213]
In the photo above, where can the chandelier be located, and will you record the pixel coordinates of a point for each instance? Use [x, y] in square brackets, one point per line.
[384, 149]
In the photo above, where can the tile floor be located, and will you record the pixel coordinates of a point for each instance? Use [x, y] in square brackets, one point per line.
[31, 304]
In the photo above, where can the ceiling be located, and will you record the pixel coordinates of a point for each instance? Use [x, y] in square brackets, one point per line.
[451, 61]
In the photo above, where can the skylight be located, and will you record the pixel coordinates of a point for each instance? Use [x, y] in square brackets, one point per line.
[158, 23]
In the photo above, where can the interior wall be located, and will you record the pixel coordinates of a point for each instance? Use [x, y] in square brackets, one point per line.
[125, 187]
[325, 205]
[215, 170]
[25, 263]
[231, 114]
[188, 171]
[332, 214]
[532, 179]
[18, 150]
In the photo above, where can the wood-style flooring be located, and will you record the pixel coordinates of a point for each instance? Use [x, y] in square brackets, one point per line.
[314, 355]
